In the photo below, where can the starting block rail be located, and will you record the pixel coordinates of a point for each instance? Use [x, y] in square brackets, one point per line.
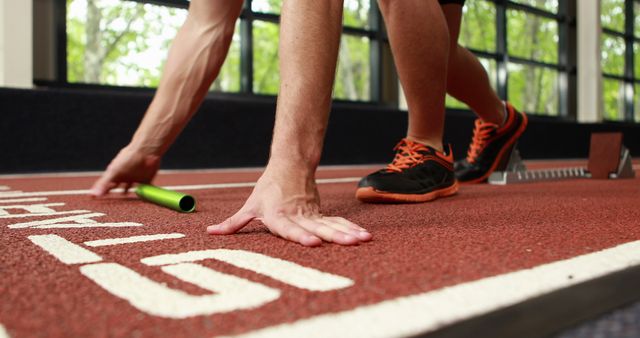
[619, 166]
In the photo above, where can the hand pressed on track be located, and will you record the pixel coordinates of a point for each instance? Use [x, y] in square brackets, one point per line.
[128, 167]
[291, 211]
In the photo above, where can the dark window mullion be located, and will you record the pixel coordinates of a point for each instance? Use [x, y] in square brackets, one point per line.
[617, 77]
[166, 3]
[629, 61]
[60, 18]
[567, 58]
[501, 49]
[532, 10]
[615, 33]
[269, 17]
[528, 62]
[246, 49]
[375, 53]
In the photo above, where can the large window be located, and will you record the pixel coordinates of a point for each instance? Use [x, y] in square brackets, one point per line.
[523, 45]
[121, 43]
[520, 45]
[620, 44]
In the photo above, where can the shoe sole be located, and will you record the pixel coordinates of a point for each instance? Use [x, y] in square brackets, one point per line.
[502, 153]
[371, 195]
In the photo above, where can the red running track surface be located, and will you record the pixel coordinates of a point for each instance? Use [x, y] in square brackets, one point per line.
[481, 232]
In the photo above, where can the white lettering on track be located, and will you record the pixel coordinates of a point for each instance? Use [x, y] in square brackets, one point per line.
[31, 209]
[22, 200]
[133, 239]
[278, 269]
[63, 250]
[230, 293]
[3, 332]
[79, 221]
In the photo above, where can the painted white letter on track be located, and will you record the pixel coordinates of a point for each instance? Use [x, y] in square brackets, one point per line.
[230, 293]
[78, 221]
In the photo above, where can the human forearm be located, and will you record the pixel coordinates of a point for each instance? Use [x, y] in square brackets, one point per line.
[194, 61]
[308, 54]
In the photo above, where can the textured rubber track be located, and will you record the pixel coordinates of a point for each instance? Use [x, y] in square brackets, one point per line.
[483, 231]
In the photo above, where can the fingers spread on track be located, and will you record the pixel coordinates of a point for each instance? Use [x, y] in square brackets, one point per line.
[288, 229]
[347, 226]
[231, 224]
[328, 231]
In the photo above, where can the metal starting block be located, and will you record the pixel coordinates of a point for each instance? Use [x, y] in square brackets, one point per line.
[608, 159]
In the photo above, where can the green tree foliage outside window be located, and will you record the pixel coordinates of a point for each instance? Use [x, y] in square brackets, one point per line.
[533, 89]
[636, 25]
[266, 68]
[352, 76]
[266, 6]
[118, 43]
[613, 97]
[228, 79]
[356, 13]
[612, 14]
[478, 29]
[532, 37]
[636, 61]
[637, 102]
[612, 54]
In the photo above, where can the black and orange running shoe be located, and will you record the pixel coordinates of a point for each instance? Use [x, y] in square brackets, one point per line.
[418, 173]
[490, 146]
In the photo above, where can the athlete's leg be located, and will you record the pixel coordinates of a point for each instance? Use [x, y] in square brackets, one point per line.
[467, 79]
[420, 44]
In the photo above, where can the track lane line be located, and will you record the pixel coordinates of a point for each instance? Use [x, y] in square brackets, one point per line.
[22, 200]
[133, 239]
[3, 332]
[429, 311]
[18, 194]
[65, 251]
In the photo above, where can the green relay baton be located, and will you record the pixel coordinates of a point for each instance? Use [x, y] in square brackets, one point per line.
[167, 198]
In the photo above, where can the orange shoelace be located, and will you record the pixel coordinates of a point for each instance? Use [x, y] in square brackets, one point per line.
[481, 133]
[407, 155]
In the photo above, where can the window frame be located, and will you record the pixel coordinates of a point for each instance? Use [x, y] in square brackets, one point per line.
[565, 66]
[566, 62]
[375, 33]
[629, 79]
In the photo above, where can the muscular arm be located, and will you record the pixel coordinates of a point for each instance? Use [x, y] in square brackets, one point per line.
[286, 198]
[194, 61]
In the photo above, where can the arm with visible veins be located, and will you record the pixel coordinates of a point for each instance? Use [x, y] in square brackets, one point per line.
[194, 61]
[286, 197]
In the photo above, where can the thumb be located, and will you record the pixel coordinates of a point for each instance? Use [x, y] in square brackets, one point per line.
[231, 224]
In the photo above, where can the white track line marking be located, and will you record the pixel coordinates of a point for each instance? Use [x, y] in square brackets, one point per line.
[230, 293]
[22, 200]
[63, 250]
[190, 171]
[278, 269]
[420, 313]
[133, 239]
[46, 214]
[174, 187]
[3, 332]
[78, 221]
[33, 209]
[4, 187]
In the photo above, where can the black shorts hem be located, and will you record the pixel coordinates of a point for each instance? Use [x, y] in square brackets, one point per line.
[446, 2]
